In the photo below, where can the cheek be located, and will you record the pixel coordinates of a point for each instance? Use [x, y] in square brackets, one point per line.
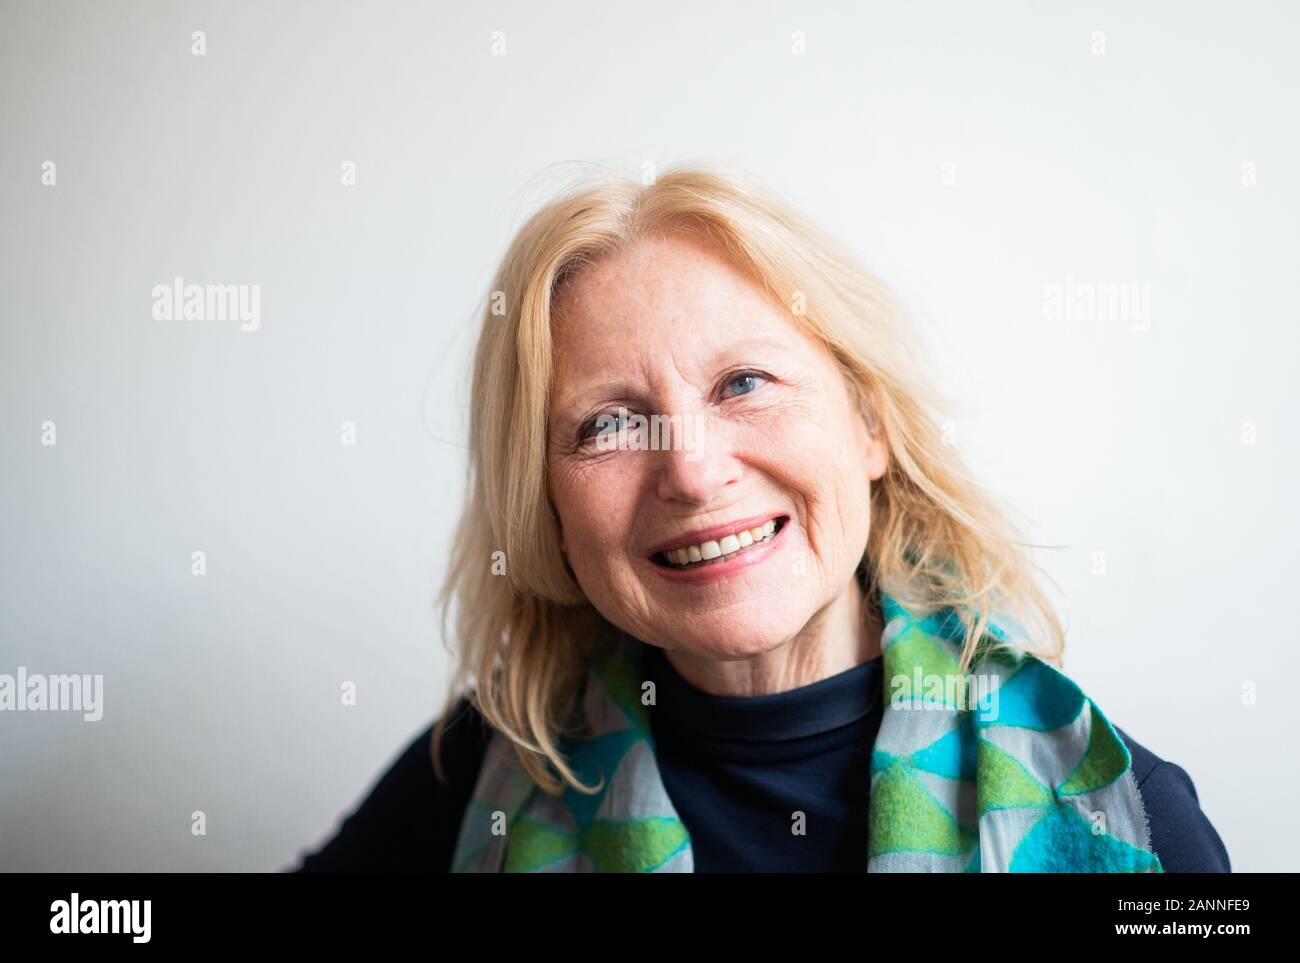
[818, 453]
[848, 495]
[595, 511]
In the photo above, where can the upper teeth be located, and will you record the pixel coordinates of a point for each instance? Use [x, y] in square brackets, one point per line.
[727, 545]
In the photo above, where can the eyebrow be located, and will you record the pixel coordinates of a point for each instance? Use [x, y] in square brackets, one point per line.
[612, 392]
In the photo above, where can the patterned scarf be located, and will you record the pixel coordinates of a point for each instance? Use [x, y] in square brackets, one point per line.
[1008, 768]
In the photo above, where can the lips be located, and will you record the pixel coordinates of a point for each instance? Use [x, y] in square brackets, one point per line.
[718, 543]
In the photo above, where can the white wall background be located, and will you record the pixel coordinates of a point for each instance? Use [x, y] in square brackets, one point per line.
[223, 691]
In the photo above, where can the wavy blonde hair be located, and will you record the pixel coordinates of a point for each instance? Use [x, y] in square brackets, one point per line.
[937, 540]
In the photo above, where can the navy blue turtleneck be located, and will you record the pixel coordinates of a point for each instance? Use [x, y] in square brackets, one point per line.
[737, 769]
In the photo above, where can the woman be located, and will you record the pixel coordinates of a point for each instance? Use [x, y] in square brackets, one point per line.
[725, 598]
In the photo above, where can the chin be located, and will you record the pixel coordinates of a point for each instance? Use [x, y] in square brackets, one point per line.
[716, 651]
[728, 638]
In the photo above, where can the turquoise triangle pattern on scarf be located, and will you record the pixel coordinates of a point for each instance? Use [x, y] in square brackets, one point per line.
[1009, 768]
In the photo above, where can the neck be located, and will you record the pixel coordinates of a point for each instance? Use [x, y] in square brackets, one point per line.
[844, 634]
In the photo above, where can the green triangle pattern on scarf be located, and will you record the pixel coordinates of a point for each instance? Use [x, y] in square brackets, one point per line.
[1008, 768]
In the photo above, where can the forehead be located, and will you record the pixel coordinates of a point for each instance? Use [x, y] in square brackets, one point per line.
[648, 265]
[673, 293]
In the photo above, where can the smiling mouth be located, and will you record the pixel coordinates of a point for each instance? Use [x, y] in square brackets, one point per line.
[720, 550]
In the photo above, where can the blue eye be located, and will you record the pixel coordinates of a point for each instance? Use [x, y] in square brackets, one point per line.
[607, 423]
[747, 382]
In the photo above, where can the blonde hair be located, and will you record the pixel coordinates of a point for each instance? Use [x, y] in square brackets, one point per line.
[937, 540]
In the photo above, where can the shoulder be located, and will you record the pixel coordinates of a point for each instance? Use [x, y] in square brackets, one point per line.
[1181, 834]
[409, 820]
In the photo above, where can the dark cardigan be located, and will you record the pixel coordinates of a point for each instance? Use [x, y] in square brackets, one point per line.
[735, 777]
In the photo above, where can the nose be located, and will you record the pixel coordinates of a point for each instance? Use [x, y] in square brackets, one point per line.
[698, 471]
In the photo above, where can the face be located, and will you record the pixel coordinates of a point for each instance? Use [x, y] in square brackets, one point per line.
[728, 536]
